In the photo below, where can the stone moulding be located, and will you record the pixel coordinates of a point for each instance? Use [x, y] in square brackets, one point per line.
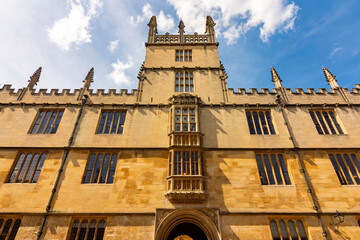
[186, 196]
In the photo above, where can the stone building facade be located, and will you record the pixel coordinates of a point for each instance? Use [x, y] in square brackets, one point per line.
[181, 157]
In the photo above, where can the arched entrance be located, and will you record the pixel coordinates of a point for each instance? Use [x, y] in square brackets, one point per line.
[187, 224]
[187, 231]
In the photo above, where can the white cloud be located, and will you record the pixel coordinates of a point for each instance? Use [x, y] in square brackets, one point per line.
[74, 28]
[146, 15]
[269, 16]
[165, 22]
[113, 45]
[334, 51]
[118, 74]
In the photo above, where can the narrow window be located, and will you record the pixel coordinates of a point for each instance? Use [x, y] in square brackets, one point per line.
[92, 229]
[272, 170]
[301, 229]
[111, 122]
[344, 169]
[15, 229]
[274, 230]
[260, 122]
[325, 122]
[27, 168]
[292, 230]
[283, 230]
[337, 170]
[74, 230]
[352, 169]
[47, 122]
[83, 229]
[100, 168]
[101, 230]
[6, 229]
[184, 81]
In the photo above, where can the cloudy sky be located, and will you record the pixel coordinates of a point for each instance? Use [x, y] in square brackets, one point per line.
[68, 37]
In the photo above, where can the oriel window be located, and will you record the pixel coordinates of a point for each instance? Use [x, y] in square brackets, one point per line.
[325, 122]
[183, 55]
[185, 119]
[186, 163]
[260, 122]
[27, 168]
[272, 169]
[184, 81]
[111, 122]
[47, 122]
[100, 168]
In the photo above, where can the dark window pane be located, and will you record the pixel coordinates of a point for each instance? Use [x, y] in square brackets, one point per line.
[337, 125]
[263, 123]
[284, 169]
[6, 229]
[57, 122]
[108, 122]
[92, 228]
[90, 168]
[101, 230]
[112, 168]
[122, 122]
[319, 116]
[33, 164]
[52, 119]
[257, 123]
[44, 122]
[274, 230]
[276, 169]
[115, 123]
[38, 168]
[327, 119]
[269, 169]
[301, 229]
[283, 230]
[344, 169]
[37, 123]
[185, 127]
[74, 229]
[97, 168]
[17, 167]
[105, 168]
[24, 167]
[292, 230]
[271, 126]
[261, 169]
[102, 123]
[352, 168]
[175, 163]
[356, 161]
[196, 164]
[250, 123]
[14, 229]
[1, 222]
[192, 164]
[83, 230]
[318, 128]
[337, 169]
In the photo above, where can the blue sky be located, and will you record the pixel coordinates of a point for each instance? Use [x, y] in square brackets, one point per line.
[67, 38]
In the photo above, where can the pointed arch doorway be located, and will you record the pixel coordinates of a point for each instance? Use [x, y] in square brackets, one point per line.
[187, 224]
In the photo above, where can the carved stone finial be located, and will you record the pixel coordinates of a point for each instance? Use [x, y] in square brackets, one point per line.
[34, 79]
[181, 27]
[209, 29]
[152, 29]
[275, 78]
[89, 79]
[330, 78]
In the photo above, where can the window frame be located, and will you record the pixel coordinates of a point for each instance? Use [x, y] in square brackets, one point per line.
[180, 78]
[108, 172]
[11, 228]
[119, 125]
[46, 110]
[346, 176]
[265, 179]
[332, 122]
[28, 167]
[89, 220]
[286, 221]
[174, 123]
[181, 54]
[270, 126]
[196, 158]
